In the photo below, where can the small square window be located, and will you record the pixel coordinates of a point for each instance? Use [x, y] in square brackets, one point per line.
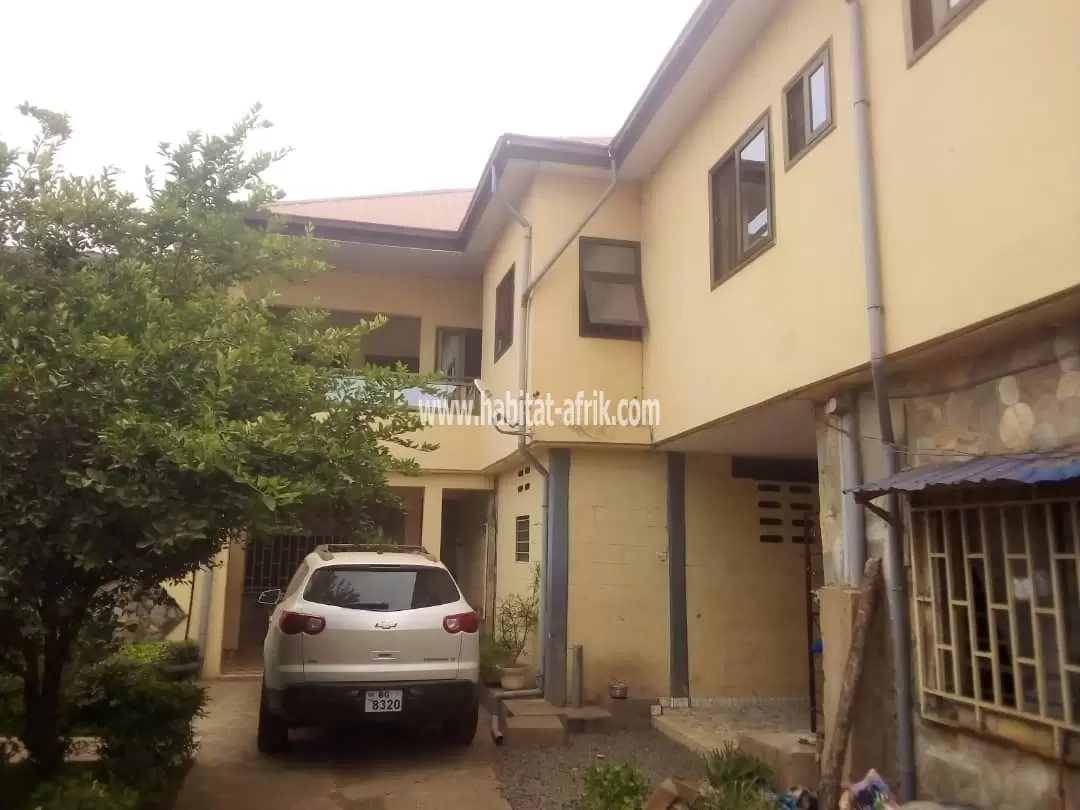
[521, 538]
[504, 314]
[808, 103]
[611, 303]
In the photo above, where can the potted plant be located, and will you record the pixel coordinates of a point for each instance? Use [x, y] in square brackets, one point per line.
[516, 617]
[493, 655]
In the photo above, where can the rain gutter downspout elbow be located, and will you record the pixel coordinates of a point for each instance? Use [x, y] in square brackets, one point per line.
[893, 570]
[530, 287]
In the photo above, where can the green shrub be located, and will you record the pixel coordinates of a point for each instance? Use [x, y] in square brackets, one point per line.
[730, 766]
[143, 652]
[11, 705]
[145, 722]
[735, 796]
[180, 652]
[82, 792]
[614, 787]
[493, 652]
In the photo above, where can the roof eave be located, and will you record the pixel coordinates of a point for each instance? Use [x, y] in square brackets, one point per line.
[338, 230]
[678, 59]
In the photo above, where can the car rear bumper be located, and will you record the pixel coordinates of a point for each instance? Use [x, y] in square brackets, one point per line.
[335, 703]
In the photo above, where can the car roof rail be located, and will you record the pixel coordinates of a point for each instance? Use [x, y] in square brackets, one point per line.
[326, 551]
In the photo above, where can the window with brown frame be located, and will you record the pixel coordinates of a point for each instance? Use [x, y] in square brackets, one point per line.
[504, 314]
[808, 115]
[929, 20]
[610, 302]
[458, 353]
[741, 206]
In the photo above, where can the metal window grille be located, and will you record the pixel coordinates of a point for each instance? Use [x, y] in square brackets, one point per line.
[998, 616]
[784, 509]
[521, 538]
[272, 559]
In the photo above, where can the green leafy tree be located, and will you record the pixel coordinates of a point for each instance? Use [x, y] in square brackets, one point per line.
[153, 402]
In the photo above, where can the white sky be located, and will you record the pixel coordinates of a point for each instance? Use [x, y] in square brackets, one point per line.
[374, 95]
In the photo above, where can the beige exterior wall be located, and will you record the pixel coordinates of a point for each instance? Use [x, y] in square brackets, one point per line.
[513, 576]
[978, 175]
[564, 363]
[796, 313]
[500, 376]
[745, 599]
[618, 589]
[976, 204]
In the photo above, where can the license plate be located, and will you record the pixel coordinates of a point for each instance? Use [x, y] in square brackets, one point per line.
[384, 700]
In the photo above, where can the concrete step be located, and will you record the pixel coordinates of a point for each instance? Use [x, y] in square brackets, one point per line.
[576, 719]
[585, 718]
[791, 755]
[535, 730]
[529, 707]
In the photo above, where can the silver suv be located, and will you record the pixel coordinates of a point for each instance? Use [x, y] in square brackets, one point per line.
[369, 634]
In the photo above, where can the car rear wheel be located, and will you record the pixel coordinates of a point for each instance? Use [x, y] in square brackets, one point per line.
[273, 734]
[461, 729]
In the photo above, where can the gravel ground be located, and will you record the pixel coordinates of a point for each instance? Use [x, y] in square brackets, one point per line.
[549, 778]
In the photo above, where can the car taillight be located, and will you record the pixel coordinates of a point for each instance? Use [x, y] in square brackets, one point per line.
[461, 623]
[293, 624]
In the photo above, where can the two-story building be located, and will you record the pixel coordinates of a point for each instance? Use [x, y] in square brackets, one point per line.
[815, 206]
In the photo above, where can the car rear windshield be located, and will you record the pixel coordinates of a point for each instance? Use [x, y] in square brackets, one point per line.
[381, 587]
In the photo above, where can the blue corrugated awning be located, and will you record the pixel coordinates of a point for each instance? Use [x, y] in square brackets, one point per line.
[1022, 468]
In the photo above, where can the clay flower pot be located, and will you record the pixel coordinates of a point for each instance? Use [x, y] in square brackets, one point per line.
[512, 676]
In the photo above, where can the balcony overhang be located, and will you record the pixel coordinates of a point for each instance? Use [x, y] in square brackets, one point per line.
[781, 429]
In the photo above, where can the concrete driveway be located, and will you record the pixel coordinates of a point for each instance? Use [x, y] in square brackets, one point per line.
[402, 772]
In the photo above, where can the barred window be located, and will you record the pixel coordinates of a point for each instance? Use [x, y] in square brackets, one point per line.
[997, 609]
[521, 538]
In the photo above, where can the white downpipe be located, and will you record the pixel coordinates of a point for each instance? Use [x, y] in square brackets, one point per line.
[527, 284]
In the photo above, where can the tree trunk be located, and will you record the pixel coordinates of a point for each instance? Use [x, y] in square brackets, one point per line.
[44, 733]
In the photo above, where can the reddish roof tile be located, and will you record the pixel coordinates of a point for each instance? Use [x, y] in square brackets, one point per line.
[438, 210]
[435, 210]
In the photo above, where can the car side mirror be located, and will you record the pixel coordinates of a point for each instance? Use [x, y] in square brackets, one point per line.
[270, 597]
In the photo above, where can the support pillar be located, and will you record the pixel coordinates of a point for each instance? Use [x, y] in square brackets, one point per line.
[676, 514]
[215, 629]
[558, 575]
[427, 347]
[431, 525]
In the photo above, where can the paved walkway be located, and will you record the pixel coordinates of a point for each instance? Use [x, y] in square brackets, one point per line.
[400, 773]
[706, 728]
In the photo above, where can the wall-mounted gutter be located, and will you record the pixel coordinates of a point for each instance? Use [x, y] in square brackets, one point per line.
[893, 563]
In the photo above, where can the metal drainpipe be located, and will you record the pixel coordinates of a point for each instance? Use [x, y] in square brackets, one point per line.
[893, 563]
[497, 731]
[852, 515]
[523, 448]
